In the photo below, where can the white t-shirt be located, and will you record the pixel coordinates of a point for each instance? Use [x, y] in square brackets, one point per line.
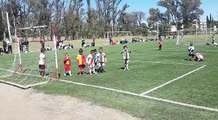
[42, 59]
[191, 49]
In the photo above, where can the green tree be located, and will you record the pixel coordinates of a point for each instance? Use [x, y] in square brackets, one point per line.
[182, 11]
[1, 26]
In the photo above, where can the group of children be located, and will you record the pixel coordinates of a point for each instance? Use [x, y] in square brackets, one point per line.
[95, 62]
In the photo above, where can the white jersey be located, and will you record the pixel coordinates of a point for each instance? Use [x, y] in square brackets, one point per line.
[101, 57]
[191, 49]
[90, 60]
[42, 59]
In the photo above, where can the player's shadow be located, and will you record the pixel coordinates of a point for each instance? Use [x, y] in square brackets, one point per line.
[188, 59]
[122, 68]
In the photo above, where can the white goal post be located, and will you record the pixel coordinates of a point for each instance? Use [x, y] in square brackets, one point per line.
[53, 31]
[197, 37]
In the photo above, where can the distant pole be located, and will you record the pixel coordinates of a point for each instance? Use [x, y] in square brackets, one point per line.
[53, 29]
[196, 27]
[206, 34]
[4, 26]
[112, 30]
[157, 30]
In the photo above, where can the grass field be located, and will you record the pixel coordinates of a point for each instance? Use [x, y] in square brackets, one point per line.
[188, 82]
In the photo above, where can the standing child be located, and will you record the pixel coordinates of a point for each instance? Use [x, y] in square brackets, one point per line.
[160, 43]
[67, 65]
[91, 62]
[42, 61]
[42, 42]
[101, 56]
[125, 53]
[81, 61]
[191, 51]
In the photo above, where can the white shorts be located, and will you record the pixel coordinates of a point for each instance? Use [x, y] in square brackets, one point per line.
[126, 61]
[101, 64]
[91, 66]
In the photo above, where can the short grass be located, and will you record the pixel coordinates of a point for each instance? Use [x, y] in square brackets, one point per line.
[148, 69]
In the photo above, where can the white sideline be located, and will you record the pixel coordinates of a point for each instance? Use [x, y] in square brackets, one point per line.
[143, 96]
[158, 62]
[160, 86]
[4, 76]
[13, 84]
[37, 84]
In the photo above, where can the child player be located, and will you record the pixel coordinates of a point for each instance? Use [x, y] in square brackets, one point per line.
[191, 51]
[91, 62]
[125, 53]
[67, 65]
[42, 61]
[101, 60]
[199, 57]
[160, 44]
[81, 61]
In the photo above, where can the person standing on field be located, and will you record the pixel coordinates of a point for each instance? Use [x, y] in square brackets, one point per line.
[125, 55]
[67, 65]
[160, 44]
[191, 51]
[42, 62]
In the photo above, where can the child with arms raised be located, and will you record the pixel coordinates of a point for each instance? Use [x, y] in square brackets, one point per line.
[125, 55]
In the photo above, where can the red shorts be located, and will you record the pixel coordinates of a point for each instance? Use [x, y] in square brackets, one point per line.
[82, 66]
[67, 68]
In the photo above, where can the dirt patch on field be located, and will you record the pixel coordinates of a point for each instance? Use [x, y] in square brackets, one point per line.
[17, 104]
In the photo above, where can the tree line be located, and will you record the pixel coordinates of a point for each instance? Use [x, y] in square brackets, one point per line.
[83, 18]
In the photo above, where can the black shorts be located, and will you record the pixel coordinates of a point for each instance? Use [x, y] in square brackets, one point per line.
[42, 67]
[191, 54]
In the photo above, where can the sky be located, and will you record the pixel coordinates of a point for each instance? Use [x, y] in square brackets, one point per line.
[209, 7]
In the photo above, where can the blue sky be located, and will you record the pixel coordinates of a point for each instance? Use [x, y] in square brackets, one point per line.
[209, 6]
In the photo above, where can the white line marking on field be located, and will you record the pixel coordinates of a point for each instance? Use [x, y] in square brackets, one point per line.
[13, 84]
[3, 69]
[4, 76]
[167, 83]
[143, 96]
[181, 104]
[37, 84]
[158, 62]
